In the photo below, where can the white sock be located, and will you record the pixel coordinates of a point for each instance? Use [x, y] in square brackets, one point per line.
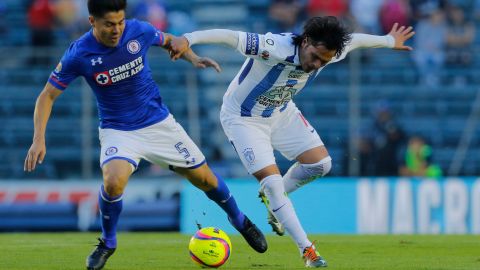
[283, 210]
[301, 174]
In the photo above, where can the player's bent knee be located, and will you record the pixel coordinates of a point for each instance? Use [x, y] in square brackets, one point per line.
[113, 187]
[326, 166]
[115, 176]
[114, 184]
[319, 169]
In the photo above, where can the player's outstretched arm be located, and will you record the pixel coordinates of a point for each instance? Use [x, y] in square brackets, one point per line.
[400, 35]
[224, 37]
[395, 39]
[188, 54]
[43, 108]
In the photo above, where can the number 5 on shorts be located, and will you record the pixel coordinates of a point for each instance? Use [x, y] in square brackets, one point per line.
[182, 150]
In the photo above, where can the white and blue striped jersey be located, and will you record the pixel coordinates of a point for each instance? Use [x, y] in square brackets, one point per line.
[272, 73]
[270, 76]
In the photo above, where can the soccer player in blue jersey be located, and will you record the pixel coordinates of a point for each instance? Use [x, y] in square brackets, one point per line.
[134, 122]
[258, 114]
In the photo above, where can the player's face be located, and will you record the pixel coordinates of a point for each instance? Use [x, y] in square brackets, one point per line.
[314, 57]
[109, 29]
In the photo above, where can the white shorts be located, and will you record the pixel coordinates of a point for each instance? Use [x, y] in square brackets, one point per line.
[165, 144]
[255, 138]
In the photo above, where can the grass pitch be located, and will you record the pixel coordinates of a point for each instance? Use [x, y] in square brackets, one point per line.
[148, 251]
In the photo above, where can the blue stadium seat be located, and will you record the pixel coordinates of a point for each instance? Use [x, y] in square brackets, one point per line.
[439, 114]
[38, 217]
[161, 215]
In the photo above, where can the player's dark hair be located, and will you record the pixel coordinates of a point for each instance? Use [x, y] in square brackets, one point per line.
[327, 31]
[98, 8]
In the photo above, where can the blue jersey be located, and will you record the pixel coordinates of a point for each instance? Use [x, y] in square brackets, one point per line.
[127, 96]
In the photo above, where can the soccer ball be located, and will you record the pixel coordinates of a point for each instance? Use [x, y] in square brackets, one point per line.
[210, 247]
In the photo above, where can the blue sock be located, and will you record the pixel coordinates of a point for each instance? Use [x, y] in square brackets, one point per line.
[110, 208]
[222, 196]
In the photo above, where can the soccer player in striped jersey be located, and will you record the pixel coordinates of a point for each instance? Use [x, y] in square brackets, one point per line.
[258, 114]
[134, 122]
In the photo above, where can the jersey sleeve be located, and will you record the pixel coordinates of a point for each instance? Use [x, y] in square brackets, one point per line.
[66, 71]
[360, 40]
[265, 48]
[155, 36]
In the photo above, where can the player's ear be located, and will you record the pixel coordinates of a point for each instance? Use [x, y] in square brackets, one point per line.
[305, 42]
[91, 20]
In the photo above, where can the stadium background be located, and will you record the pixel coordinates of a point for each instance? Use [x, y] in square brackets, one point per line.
[440, 104]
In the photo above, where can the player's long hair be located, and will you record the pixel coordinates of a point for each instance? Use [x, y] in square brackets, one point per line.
[98, 8]
[327, 31]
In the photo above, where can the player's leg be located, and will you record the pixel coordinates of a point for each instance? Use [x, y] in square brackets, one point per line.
[118, 159]
[311, 164]
[282, 208]
[115, 178]
[299, 140]
[170, 145]
[280, 205]
[292, 135]
[216, 190]
[251, 140]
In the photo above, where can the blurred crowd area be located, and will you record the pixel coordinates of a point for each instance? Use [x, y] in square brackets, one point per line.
[417, 109]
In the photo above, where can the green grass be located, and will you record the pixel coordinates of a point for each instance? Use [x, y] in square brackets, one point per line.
[147, 251]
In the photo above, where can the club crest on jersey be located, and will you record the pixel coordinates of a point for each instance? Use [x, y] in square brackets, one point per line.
[249, 156]
[111, 151]
[102, 78]
[133, 46]
[96, 61]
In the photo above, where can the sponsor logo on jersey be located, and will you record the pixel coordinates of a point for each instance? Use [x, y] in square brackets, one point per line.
[296, 74]
[278, 95]
[249, 156]
[102, 78]
[270, 41]
[252, 44]
[133, 46]
[111, 151]
[96, 61]
[119, 73]
[291, 83]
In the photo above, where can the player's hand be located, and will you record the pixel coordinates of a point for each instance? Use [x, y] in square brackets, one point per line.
[401, 34]
[35, 155]
[178, 46]
[204, 62]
